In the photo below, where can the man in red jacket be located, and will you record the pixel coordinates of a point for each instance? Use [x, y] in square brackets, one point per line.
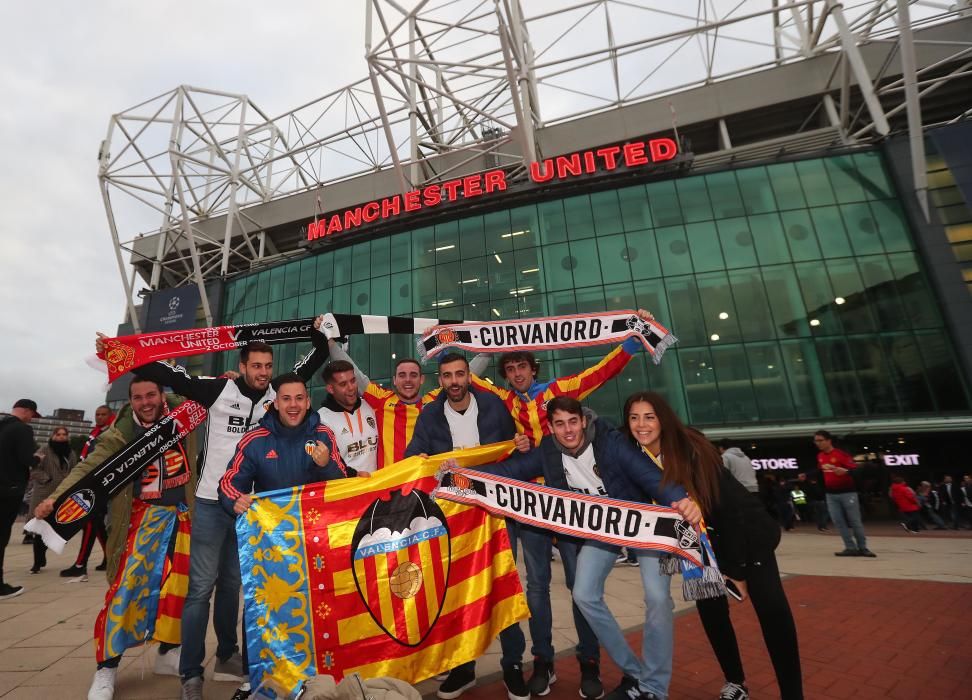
[842, 500]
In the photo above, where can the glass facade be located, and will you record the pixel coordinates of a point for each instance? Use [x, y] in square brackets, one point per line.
[794, 288]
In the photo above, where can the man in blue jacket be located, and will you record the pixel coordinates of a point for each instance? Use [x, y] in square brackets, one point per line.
[290, 448]
[463, 416]
[585, 454]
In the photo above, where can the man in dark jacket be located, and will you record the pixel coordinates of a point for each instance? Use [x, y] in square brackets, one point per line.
[463, 416]
[585, 454]
[16, 459]
[290, 448]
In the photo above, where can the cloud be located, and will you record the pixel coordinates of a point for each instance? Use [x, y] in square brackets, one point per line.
[64, 69]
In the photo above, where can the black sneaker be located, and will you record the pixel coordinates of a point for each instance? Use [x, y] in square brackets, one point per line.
[866, 553]
[103, 566]
[242, 693]
[846, 553]
[74, 571]
[626, 690]
[516, 687]
[543, 676]
[459, 680]
[8, 591]
[591, 687]
[734, 691]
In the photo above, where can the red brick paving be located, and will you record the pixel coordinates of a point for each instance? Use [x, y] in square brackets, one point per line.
[860, 638]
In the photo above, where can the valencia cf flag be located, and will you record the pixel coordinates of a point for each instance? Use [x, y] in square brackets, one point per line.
[373, 576]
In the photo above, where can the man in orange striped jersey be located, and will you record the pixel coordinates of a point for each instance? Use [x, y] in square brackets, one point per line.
[527, 397]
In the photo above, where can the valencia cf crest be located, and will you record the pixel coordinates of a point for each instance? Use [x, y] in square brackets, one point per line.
[118, 356]
[268, 404]
[309, 447]
[446, 336]
[400, 555]
[371, 422]
[75, 507]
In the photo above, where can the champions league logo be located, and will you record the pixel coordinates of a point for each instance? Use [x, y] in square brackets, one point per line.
[400, 556]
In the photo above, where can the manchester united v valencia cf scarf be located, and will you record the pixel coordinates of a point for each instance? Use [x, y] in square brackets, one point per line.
[75, 506]
[548, 333]
[126, 352]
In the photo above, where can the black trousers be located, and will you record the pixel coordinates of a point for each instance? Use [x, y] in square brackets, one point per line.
[94, 529]
[10, 500]
[40, 552]
[775, 619]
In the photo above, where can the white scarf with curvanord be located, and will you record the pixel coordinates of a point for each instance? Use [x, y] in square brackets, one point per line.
[548, 333]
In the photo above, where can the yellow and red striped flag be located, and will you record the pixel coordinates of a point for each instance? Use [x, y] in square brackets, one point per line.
[373, 576]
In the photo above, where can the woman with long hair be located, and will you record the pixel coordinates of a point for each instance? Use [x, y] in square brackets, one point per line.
[743, 536]
[56, 460]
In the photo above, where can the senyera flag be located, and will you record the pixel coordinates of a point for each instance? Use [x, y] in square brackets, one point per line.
[373, 576]
[129, 351]
[548, 333]
[73, 508]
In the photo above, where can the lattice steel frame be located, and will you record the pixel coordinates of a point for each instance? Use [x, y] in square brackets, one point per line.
[453, 81]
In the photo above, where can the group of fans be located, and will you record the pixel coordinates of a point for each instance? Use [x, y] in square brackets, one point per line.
[262, 434]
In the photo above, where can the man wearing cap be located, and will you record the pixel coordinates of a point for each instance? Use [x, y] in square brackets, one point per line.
[16, 459]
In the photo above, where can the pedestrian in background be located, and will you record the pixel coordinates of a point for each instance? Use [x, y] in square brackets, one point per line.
[906, 502]
[843, 503]
[930, 504]
[56, 460]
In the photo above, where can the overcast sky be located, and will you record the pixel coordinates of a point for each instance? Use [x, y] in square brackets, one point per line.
[64, 69]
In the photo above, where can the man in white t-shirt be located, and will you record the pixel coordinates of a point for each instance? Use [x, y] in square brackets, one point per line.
[350, 419]
[464, 416]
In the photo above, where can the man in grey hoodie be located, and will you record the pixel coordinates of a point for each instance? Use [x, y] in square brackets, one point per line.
[741, 467]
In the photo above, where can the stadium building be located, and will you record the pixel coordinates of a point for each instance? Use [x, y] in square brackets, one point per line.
[787, 187]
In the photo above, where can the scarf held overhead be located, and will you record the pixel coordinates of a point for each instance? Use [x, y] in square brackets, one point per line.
[91, 493]
[372, 576]
[548, 333]
[129, 351]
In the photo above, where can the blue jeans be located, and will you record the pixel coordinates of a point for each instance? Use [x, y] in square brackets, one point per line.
[537, 547]
[845, 511]
[214, 563]
[653, 670]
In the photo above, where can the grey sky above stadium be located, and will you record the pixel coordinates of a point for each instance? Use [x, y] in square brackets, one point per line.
[64, 69]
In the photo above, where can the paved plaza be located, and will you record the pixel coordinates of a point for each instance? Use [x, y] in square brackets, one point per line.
[896, 626]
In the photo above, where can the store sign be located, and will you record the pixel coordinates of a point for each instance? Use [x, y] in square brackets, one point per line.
[561, 168]
[900, 460]
[776, 463]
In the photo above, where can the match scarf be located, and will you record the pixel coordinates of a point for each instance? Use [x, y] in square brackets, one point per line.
[548, 333]
[144, 602]
[92, 492]
[586, 517]
[129, 351]
[372, 576]
[698, 582]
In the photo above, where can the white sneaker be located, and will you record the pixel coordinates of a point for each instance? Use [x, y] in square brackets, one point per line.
[103, 685]
[167, 664]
